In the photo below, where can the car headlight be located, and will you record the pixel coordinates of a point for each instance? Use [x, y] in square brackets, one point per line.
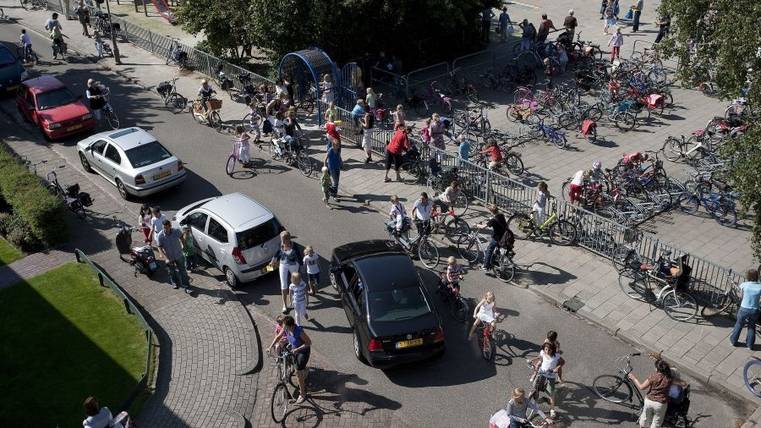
[53, 125]
[86, 117]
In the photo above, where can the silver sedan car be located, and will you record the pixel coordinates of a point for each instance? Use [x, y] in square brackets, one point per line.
[132, 160]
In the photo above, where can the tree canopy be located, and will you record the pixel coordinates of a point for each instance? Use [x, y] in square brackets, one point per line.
[719, 41]
[420, 32]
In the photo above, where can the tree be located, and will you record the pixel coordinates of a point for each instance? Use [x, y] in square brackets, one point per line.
[224, 23]
[719, 40]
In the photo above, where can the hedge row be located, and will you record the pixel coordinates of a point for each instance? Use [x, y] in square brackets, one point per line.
[39, 216]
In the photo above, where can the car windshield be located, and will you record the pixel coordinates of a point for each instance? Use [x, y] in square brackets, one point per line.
[147, 154]
[259, 235]
[55, 98]
[6, 57]
[399, 304]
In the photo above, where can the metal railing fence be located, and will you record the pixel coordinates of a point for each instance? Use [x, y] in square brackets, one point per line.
[105, 281]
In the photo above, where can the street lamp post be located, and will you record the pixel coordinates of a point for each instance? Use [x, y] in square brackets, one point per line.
[117, 58]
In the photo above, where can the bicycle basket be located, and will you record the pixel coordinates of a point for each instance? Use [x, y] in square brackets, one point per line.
[85, 199]
[215, 104]
[73, 190]
[163, 88]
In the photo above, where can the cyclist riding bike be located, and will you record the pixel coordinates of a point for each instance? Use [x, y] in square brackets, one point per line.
[547, 365]
[205, 93]
[421, 214]
[515, 413]
[26, 45]
[455, 272]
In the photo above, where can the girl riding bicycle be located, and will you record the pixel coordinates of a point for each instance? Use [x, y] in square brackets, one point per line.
[484, 312]
[547, 365]
[243, 145]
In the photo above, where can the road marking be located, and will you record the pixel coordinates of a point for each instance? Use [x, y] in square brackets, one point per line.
[530, 6]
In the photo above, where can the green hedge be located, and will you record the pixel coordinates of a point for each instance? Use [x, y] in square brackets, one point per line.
[39, 216]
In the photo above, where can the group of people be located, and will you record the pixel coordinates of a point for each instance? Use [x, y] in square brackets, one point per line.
[177, 248]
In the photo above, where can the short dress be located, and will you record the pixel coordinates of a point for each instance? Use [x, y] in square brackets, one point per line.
[486, 313]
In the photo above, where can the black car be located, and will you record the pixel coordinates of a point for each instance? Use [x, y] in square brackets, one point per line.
[388, 308]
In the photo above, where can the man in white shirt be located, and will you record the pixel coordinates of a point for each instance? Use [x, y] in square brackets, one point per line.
[157, 224]
[421, 214]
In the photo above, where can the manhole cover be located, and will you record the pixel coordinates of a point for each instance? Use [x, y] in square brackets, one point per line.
[573, 304]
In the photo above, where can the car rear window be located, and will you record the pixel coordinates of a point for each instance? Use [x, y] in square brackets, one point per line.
[399, 304]
[147, 154]
[259, 235]
[55, 98]
[6, 58]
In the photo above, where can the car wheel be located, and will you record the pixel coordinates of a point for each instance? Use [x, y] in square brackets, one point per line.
[85, 163]
[334, 281]
[230, 278]
[358, 348]
[122, 190]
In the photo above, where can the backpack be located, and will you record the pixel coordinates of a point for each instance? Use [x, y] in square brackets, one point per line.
[507, 240]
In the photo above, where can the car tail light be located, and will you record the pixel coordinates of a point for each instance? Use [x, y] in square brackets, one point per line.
[139, 179]
[375, 345]
[238, 256]
[439, 335]
[180, 165]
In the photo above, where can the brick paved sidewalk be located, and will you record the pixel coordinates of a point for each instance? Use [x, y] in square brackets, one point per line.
[32, 265]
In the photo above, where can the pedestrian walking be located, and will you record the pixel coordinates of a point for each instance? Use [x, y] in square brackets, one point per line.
[300, 347]
[747, 314]
[610, 19]
[170, 247]
[334, 163]
[287, 260]
[616, 40]
[570, 23]
[95, 96]
[664, 25]
[368, 129]
[325, 184]
[311, 261]
[357, 113]
[189, 248]
[544, 29]
[637, 9]
[395, 148]
[298, 292]
[157, 222]
[83, 15]
[463, 149]
[98, 44]
[504, 25]
[552, 337]
[539, 209]
[486, 16]
[437, 132]
[547, 364]
[144, 220]
[528, 35]
[603, 6]
[398, 115]
[657, 385]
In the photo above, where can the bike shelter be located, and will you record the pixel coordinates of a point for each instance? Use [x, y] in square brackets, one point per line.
[305, 70]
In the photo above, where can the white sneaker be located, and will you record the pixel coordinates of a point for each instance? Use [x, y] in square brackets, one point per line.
[285, 309]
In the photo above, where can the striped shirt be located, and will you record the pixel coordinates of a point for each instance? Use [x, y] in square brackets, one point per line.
[299, 292]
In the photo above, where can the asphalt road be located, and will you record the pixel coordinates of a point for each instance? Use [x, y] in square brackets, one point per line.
[459, 389]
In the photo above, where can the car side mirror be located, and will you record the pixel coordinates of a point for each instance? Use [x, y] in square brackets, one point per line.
[183, 222]
[335, 269]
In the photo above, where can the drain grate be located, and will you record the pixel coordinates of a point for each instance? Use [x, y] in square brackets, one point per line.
[573, 304]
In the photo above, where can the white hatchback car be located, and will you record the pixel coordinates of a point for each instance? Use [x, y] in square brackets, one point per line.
[233, 232]
[132, 160]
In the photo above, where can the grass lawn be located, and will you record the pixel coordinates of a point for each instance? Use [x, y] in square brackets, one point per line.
[62, 338]
[8, 253]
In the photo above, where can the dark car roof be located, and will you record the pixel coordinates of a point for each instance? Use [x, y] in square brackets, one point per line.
[359, 249]
[43, 83]
[6, 56]
[382, 272]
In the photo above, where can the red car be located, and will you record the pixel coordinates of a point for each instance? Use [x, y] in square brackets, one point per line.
[49, 104]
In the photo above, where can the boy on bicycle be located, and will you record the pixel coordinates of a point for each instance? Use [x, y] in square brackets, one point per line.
[26, 45]
[454, 273]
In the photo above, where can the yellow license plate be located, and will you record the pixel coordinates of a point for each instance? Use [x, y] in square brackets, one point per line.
[267, 269]
[73, 128]
[409, 343]
[161, 175]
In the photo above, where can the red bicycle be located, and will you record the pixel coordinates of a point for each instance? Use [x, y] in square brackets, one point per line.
[487, 339]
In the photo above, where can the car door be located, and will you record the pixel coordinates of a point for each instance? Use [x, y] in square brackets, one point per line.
[95, 152]
[111, 163]
[25, 103]
[216, 243]
[197, 222]
[349, 280]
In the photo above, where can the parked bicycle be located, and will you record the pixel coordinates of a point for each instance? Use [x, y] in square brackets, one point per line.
[168, 92]
[472, 248]
[716, 301]
[752, 376]
[178, 57]
[558, 230]
[448, 223]
[71, 196]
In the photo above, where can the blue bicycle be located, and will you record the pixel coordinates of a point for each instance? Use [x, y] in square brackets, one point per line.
[719, 203]
[549, 133]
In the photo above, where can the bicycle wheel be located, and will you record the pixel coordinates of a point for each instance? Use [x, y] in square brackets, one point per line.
[594, 113]
[458, 307]
[230, 165]
[487, 348]
[279, 402]
[715, 303]
[521, 224]
[514, 113]
[177, 103]
[724, 212]
[215, 121]
[469, 249]
[455, 229]
[558, 139]
[504, 268]
[112, 118]
[625, 121]
[633, 284]
[514, 164]
[428, 254]
[612, 388]
[461, 204]
[562, 232]
[672, 149]
[304, 162]
[752, 376]
[680, 306]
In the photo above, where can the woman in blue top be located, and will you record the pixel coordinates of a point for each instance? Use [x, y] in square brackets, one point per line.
[300, 345]
[287, 259]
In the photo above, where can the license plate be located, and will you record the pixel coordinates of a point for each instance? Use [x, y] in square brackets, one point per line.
[152, 265]
[161, 175]
[267, 269]
[74, 128]
[409, 343]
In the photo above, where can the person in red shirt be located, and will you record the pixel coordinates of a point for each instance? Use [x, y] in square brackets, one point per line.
[399, 143]
[495, 154]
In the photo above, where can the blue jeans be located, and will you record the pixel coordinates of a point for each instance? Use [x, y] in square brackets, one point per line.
[177, 273]
[489, 253]
[745, 317]
[335, 174]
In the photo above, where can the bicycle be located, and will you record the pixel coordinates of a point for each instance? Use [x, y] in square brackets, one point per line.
[234, 159]
[560, 231]
[458, 305]
[292, 152]
[636, 283]
[31, 165]
[176, 56]
[71, 197]
[108, 111]
[752, 376]
[472, 248]
[476, 119]
[210, 116]
[421, 246]
[690, 149]
[461, 86]
[486, 338]
[721, 204]
[281, 395]
[717, 302]
[551, 134]
[27, 55]
[449, 223]
[168, 92]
